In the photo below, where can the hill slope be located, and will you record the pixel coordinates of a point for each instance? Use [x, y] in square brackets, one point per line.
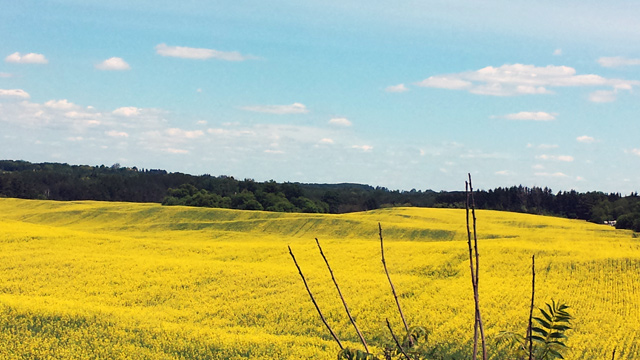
[82, 279]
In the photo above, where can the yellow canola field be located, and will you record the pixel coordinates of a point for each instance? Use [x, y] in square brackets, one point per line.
[82, 280]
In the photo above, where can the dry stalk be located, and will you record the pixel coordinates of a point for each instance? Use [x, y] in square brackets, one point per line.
[474, 355]
[314, 301]
[346, 308]
[396, 340]
[613, 357]
[478, 326]
[533, 292]
[393, 289]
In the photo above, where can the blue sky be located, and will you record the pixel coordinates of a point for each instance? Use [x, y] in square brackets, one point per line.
[409, 95]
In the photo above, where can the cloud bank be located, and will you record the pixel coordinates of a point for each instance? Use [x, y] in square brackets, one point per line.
[520, 79]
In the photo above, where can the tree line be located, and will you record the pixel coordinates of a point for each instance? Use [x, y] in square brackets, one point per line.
[56, 181]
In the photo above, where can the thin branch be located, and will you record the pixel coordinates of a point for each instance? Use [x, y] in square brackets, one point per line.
[398, 343]
[346, 308]
[475, 241]
[533, 292]
[613, 357]
[314, 301]
[393, 289]
[473, 276]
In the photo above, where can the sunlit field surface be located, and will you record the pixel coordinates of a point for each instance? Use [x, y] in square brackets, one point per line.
[83, 280]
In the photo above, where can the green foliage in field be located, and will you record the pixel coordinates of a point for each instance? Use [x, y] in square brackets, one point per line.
[140, 281]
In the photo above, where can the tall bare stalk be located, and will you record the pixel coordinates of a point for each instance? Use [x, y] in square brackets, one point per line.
[314, 300]
[346, 308]
[533, 293]
[393, 289]
[396, 340]
[478, 326]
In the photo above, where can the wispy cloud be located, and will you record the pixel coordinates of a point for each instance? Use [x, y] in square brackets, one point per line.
[602, 96]
[557, 52]
[14, 93]
[199, 53]
[180, 134]
[520, 79]
[543, 146]
[531, 115]
[586, 139]
[617, 61]
[340, 121]
[326, 141]
[113, 64]
[563, 158]
[5, 75]
[117, 134]
[295, 108]
[363, 147]
[127, 111]
[30, 58]
[396, 88]
[633, 152]
[176, 151]
[554, 175]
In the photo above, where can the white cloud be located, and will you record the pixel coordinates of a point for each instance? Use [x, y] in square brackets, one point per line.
[602, 96]
[184, 134]
[585, 139]
[75, 138]
[127, 111]
[116, 134]
[557, 52]
[363, 147]
[396, 88]
[326, 141]
[199, 53]
[617, 61]
[556, 174]
[537, 166]
[503, 172]
[114, 63]
[295, 108]
[529, 115]
[5, 75]
[519, 79]
[564, 158]
[201, 122]
[63, 104]
[17, 93]
[30, 58]
[340, 122]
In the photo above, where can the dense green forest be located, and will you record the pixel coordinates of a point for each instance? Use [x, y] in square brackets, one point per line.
[56, 181]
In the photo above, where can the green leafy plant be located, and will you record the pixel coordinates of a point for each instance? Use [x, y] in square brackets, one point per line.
[550, 333]
[548, 336]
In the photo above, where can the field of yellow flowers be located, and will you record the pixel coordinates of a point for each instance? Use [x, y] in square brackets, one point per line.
[83, 280]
